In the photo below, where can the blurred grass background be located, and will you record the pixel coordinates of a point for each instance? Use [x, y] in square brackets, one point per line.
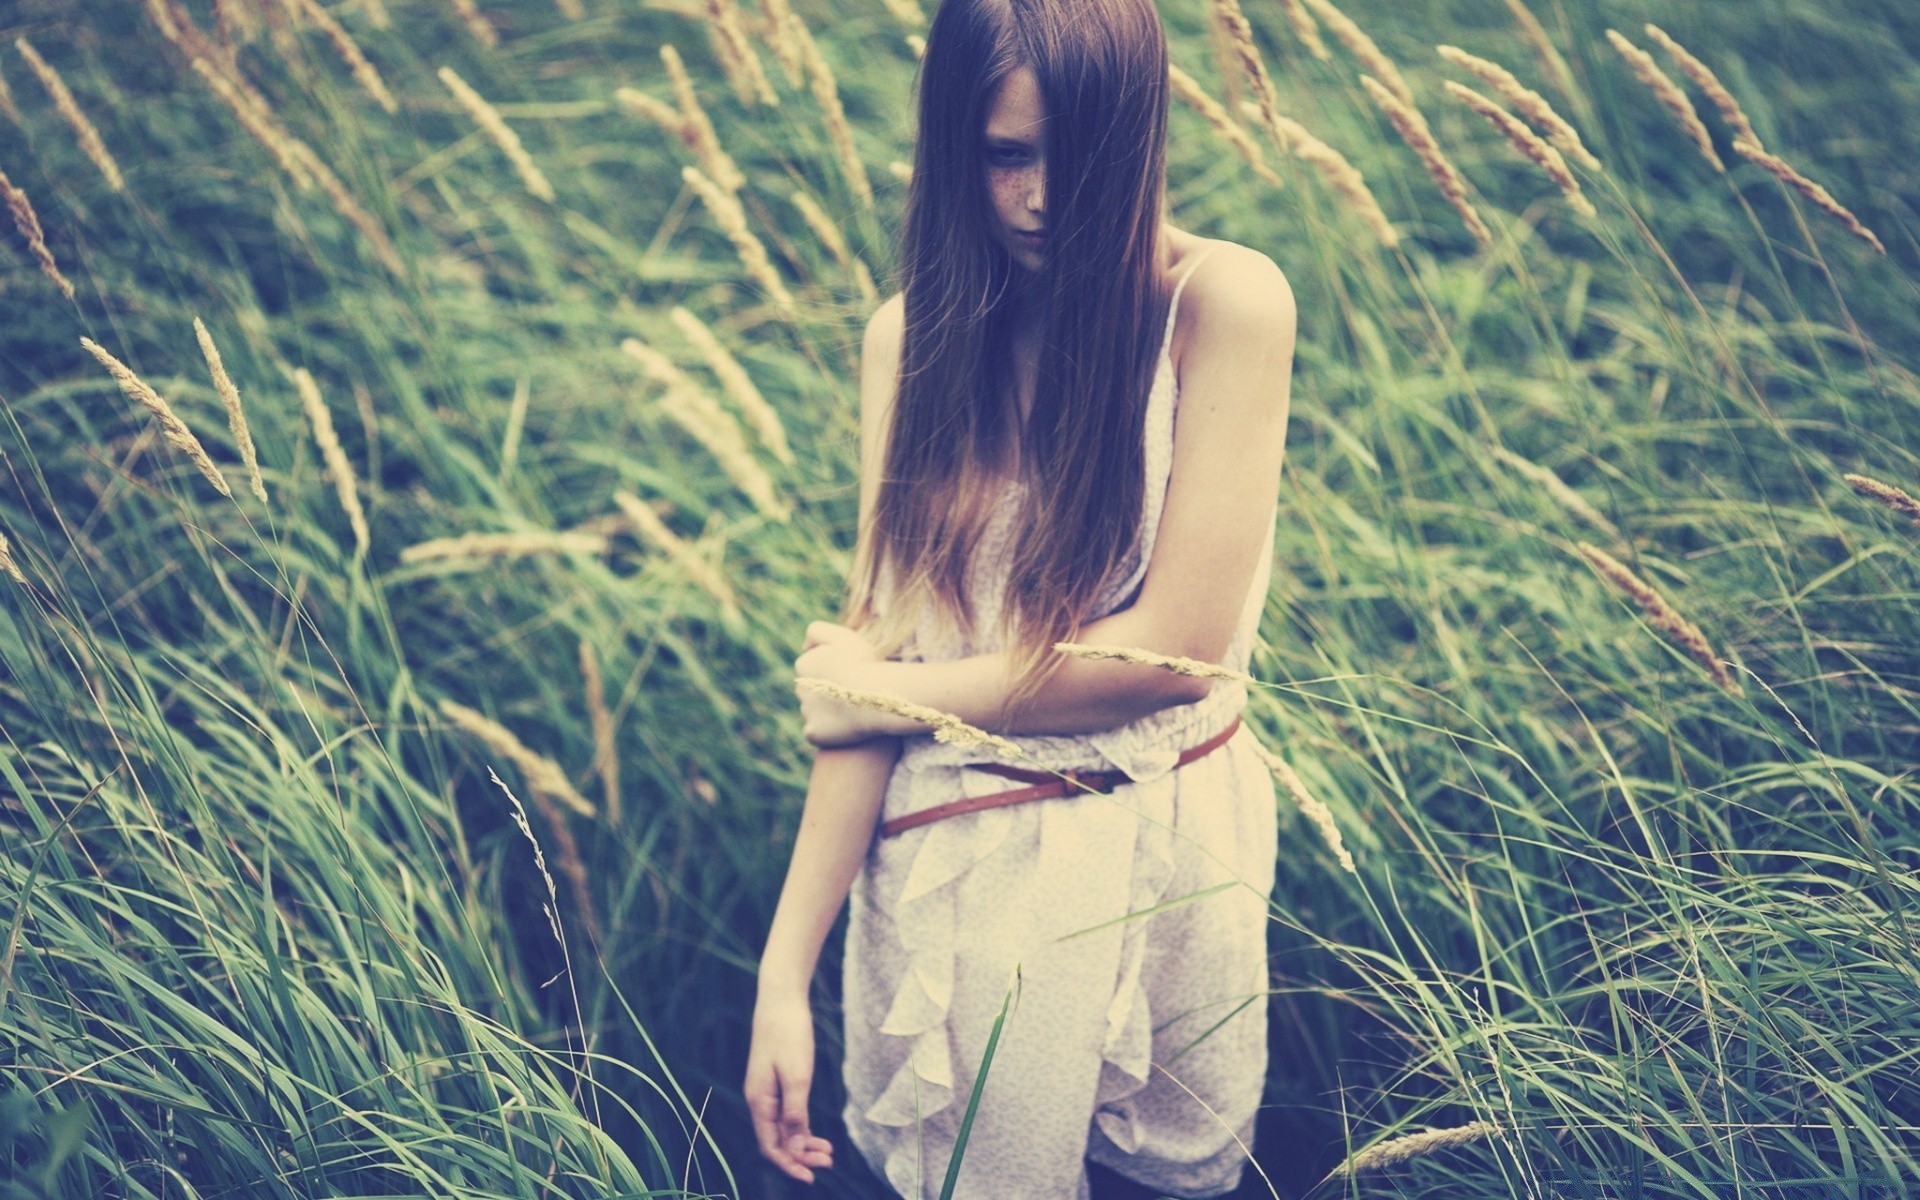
[271, 928]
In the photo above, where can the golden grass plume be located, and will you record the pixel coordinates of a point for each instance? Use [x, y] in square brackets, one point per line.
[1527, 102]
[507, 545]
[64, 103]
[1665, 619]
[171, 425]
[1316, 813]
[689, 406]
[331, 452]
[739, 385]
[1414, 1145]
[477, 23]
[1550, 482]
[658, 111]
[826, 94]
[1179, 665]
[543, 775]
[1413, 130]
[1528, 143]
[732, 219]
[1371, 57]
[261, 125]
[499, 132]
[945, 726]
[1668, 93]
[606, 752]
[1780, 169]
[649, 528]
[786, 47]
[828, 232]
[1886, 494]
[361, 68]
[7, 565]
[1189, 91]
[1252, 69]
[1345, 179]
[7, 107]
[230, 400]
[1535, 35]
[1704, 79]
[737, 56]
[27, 222]
[1305, 28]
[714, 160]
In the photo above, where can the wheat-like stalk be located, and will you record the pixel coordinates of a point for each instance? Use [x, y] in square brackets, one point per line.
[28, 223]
[737, 56]
[648, 526]
[171, 425]
[690, 407]
[499, 132]
[1169, 662]
[506, 545]
[1886, 494]
[1189, 91]
[1704, 79]
[606, 751]
[1528, 143]
[349, 208]
[1305, 28]
[362, 69]
[1371, 57]
[1785, 173]
[1343, 177]
[786, 47]
[1525, 101]
[665, 115]
[1668, 93]
[7, 564]
[567, 851]
[900, 170]
[1535, 35]
[1412, 128]
[338, 468]
[828, 232]
[1252, 69]
[543, 775]
[1401, 1149]
[718, 165]
[1550, 482]
[236, 416]
[1664, 618]
[946, 727]
[1317, 814]
[738, 384]
[89, 137]
[477, 23]
[7, 106]
[826, 94]
[261, 125]
[732, 220]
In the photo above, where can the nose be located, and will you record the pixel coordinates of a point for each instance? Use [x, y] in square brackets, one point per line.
[1037, 192]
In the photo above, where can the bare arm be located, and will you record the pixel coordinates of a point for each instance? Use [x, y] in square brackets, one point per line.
[1229, 443]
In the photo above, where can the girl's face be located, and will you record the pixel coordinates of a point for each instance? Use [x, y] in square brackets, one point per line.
[1016, 167]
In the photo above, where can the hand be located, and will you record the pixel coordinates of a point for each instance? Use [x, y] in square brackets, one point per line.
[779, 1072]
[841, 655]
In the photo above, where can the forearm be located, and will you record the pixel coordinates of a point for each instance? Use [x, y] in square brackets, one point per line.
[1082, 696]
[844, 795]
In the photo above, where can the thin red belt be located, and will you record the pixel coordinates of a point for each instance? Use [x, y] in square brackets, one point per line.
[1045, 786]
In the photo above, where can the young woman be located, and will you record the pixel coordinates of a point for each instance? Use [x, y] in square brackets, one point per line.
[1024, 482]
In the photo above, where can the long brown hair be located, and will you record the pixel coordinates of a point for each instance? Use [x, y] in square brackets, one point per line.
[1099, 303]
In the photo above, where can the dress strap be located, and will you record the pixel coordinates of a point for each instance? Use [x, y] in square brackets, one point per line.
[1173, 308]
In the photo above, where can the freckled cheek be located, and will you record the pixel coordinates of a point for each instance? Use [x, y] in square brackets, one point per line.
[1008, 189]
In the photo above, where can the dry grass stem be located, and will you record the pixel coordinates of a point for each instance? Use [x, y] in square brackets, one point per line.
[1528, 143]
[1343, 177]
[690, 407]
[567, 852]
[1668, 93]
[1527, 102]
[900, 170]
[261, 125]
[1664, 618]
[1704, 79]
[826, 94]
[1886, 494]
[543, 775]
[1413, 130]
[606, 751]
[171, 425]
[945, 726]
[1414, 1145]
[338, 468]
[1170, 662]
[1189, 91]
[718, 165]
[7, 106]
[492, 546]
[829, 234]
[647, 525]
[786, 47]
[476, 22]
[1535, 35]
[732, 219]
[738, 384]
[737, 56]
[1305, 28]
[28, 223]
[501, 134]
[1247, 55]
[349, 208]
[350, 53]
[1785, 173]
[236, 416]
[658, 111]
[1371, 57]
[90, 143]
[1550, 482]
[7, 564]
[1316, 813]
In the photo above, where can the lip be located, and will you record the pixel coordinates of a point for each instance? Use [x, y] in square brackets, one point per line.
[1033, 237]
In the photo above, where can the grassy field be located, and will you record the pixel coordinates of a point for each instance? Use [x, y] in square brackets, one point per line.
[343, 859]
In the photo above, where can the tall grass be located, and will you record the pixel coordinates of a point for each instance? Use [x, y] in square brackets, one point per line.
[271, 927]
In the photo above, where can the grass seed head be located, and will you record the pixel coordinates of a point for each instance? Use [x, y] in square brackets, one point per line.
[786, 46]
[500, 133]
[338, 468]
[739, 385]
[1823, 199]
[236, 416]
[1253, 70]
[659, 112]
[1414, 1145]
[1189, 91]
[737, 56]
[946, 727]
[543, 775]
[259, 122]
[1668, 93]
[1316, 813]
[1179, 665]
[649, 528]
[825, 229]
[358, 65]
[1709, 83]
[732, 220]
[1886, 494]
[1305, 28]
[7, 565]
[1665, 619]
[826, 94]
[688, 405]
[1528, 143]
[494, 546]
[27, 222]
[606, 752]
[171, 425]
[477, 23]
[63, 102]
[718, 165]
[1413, 130]
[1345, 179]
[1535, 35]
[1525, 101]
[1371, 57]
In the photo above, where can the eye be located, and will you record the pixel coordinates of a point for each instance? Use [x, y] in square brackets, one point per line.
[1006, 156]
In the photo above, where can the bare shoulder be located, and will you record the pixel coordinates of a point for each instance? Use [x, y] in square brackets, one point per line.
[1237, 317]
[886, 327]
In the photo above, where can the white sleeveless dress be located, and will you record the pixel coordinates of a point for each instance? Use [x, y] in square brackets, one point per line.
[1141, 1043]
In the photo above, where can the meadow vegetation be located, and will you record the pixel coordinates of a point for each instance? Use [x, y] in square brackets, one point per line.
[427, 427]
